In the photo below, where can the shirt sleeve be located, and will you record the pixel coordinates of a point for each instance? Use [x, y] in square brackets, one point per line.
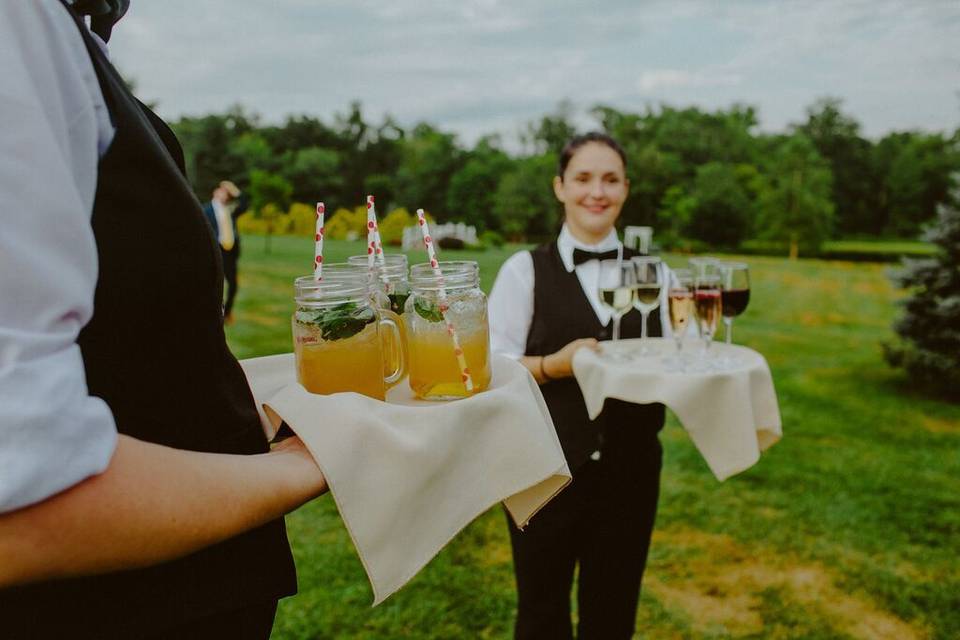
[511, 306]
[53, 434]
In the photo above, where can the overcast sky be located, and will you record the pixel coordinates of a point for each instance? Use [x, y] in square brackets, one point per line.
[485, 66]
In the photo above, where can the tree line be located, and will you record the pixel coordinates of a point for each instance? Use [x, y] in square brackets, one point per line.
[709, 177]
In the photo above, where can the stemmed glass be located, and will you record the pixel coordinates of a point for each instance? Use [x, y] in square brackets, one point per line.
[734, 293]
[680, 297]
[618, 297]
[707, 302]
[638, 239]
[649, 280]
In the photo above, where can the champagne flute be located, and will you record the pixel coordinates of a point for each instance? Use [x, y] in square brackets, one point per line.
[734, 293]
[680, 298]
[648, 279]
[618, 297]
[707, 303]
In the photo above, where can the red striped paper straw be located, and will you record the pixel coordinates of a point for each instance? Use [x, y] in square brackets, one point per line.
[318, 245]
[377, 244]
[373, 235]
[442, 295]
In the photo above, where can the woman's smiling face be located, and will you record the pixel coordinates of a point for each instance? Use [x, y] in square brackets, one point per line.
[592, 189]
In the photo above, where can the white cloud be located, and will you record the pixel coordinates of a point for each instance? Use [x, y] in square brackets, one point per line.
[672, 78]
[479, 66]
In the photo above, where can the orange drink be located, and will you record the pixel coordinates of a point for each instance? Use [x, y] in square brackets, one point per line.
[446, 299]
[389, 290]
[350, 364]
[338, 338]
[434, 371]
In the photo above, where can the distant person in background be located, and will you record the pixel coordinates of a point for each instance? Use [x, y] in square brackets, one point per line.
[544, 307]
[227, 204]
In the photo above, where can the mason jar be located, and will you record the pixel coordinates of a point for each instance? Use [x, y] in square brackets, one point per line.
[339, 336]
[434, 366]
[390, 278]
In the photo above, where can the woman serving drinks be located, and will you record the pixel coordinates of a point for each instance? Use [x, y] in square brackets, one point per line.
[545, 305]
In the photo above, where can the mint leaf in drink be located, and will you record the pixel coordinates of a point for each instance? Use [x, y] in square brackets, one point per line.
[427, 310]
[342, 321]
[397, 302]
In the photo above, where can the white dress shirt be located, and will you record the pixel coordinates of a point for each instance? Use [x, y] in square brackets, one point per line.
[510, 305]
[53, 434]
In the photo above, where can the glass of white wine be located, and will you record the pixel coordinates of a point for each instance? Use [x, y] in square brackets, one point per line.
[649, 280]
[618, 298]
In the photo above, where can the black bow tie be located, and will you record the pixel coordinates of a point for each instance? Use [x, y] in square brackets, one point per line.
[580, 256]
[103, 14]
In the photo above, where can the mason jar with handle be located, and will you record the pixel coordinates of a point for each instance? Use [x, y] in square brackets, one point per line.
[390, 278]
[434, 365]
[338, 338]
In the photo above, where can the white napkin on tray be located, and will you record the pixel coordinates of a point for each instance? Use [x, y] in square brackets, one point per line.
[731, 415]
[408, 475]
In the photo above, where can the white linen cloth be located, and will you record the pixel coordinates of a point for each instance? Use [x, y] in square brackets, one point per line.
[731, 416]
[408, 475]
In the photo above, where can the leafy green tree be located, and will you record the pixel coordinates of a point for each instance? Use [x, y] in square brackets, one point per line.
[254, 153]
[721, 213]
[836, 136]
[269, 198]
[525, 204]
[797, 208]
[314, 174]
[676, 212]
[929, 330]
[473, 188]
[552, 131]
[429, 159]
[916, 173]
[208, 152]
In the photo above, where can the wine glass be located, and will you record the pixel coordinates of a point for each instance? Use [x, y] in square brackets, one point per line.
[707, 303]
[638, 239]
[618, 297]
[680, 298]
[734, 293]
[648, 281]
[703, 265]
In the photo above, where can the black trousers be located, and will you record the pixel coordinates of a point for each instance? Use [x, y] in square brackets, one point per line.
[230, 259]
[250, 623]
[602, 521]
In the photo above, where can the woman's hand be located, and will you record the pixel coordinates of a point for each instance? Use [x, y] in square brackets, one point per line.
[559, 364]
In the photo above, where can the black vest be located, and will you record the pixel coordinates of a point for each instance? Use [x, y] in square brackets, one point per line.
[561, 314]
[155, 351]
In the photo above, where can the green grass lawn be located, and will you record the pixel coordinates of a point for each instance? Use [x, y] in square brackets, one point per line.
[847, 528]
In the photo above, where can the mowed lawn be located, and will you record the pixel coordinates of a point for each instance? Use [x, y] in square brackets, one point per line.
[847, 528]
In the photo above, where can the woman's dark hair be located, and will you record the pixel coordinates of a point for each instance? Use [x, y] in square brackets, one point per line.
[578, 141]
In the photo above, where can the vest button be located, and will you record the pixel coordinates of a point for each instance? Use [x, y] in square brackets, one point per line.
[604, 334]
[595, 455]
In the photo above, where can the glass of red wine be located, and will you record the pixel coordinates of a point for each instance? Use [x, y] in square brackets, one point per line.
[734, 293]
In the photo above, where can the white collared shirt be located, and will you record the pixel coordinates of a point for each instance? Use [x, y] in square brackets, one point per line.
[511, 300]
[53, 434]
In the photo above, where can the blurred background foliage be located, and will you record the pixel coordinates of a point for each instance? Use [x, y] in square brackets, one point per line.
[702, 179]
